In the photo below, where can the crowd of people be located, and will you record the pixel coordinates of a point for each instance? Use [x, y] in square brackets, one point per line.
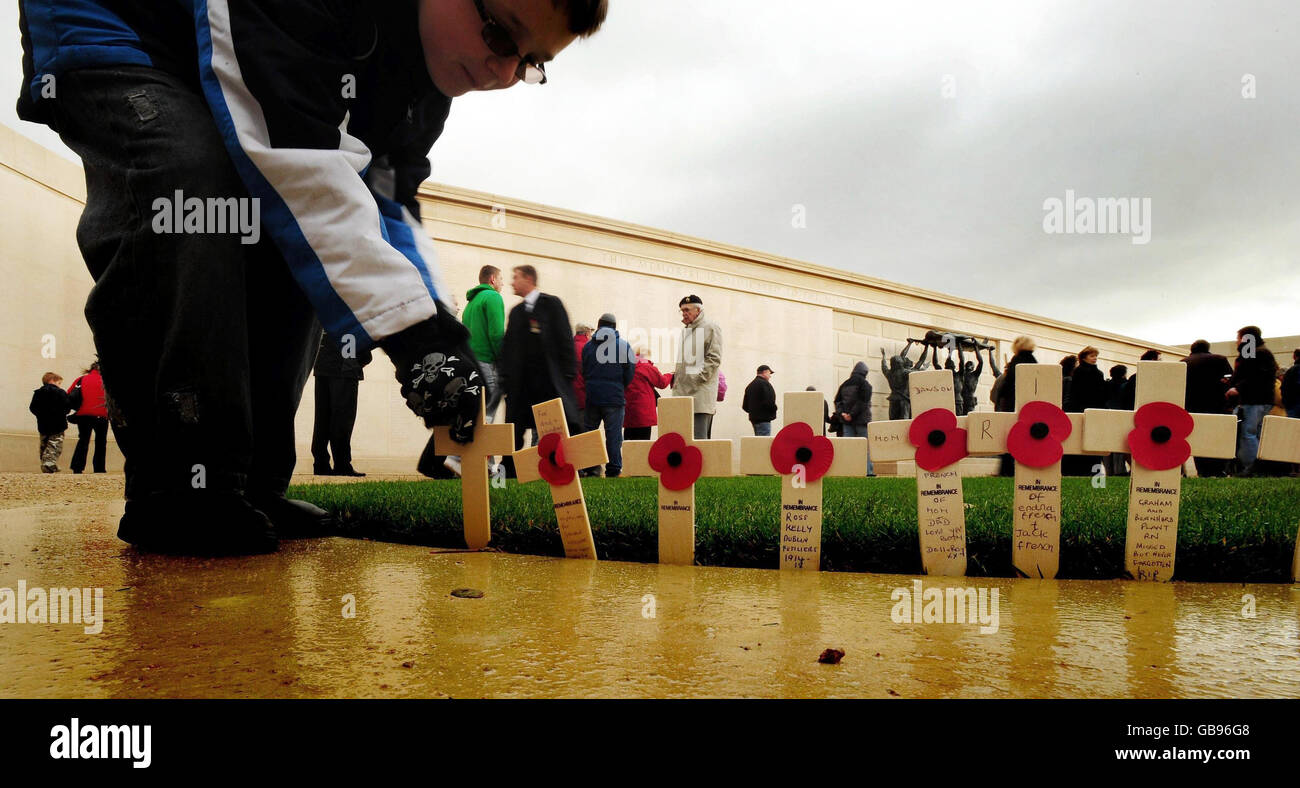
[1251, 386]
[602, 380]
[531, 356]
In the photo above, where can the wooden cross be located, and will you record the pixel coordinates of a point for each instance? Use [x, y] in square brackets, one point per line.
[1036, 528]
[940, 507]
[1280, 440]
[1152, 537]
[489, 440]
[677, 507]
[579, 451]
[801, 499]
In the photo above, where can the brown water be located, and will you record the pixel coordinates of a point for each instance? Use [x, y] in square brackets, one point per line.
[273, 626]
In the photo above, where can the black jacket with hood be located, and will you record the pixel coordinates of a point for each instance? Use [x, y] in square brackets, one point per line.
[854, 396]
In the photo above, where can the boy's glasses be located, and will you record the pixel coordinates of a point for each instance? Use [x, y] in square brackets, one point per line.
[499, 41]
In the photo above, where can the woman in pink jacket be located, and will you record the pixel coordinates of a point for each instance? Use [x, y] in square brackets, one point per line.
[640, 414]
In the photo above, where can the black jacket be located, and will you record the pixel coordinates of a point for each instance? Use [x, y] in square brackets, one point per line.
[328, 119]
[1115, 392]
[1205, 386]
[50, 406]
[1255, 378]
[546, 326]
[1291, 387]
[854, 396]
[1007, 394]
[760, 400]
[1087, 389]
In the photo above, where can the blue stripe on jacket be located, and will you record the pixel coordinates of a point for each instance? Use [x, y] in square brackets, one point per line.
[402, 237]
[306, 266]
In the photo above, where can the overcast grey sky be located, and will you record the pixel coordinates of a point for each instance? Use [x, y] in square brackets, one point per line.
[921, 140]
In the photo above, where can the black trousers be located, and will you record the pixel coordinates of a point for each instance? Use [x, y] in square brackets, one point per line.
[336, 414]
[204, 342]
[87, 426]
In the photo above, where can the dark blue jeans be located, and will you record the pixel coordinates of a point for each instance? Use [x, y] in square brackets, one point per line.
[205, 343]
[859, 431]
[1252, 419]
[612, 416]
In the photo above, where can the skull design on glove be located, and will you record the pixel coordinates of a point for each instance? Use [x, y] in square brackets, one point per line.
[429, 368]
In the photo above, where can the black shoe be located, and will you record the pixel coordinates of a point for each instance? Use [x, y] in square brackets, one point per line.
[294, 519]
[198, 523]
[347, 472]
[322, 471]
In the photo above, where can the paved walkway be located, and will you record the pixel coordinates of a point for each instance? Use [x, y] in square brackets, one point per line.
[278, 626]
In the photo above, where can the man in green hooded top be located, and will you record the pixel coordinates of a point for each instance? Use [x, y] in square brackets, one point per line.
[485, 317]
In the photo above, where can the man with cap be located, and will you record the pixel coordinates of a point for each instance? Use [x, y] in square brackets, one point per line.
[760, 401]
[699, 360]
[608, 365]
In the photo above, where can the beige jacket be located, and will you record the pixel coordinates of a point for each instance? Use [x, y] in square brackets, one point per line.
[698, 359]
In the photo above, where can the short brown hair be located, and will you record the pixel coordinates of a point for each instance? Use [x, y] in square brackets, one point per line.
[1087, 350]
[486, 273]
[51, 377]
[528, 271]
[585, 16]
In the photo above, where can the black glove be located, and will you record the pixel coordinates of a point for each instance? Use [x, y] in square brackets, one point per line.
[440, 378]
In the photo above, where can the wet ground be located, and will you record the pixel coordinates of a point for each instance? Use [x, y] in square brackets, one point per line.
[345, 618]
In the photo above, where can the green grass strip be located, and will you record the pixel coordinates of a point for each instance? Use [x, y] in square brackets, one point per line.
[1230, 530]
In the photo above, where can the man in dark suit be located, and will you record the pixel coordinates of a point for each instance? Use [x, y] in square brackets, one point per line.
[537, 361]
[338, 378]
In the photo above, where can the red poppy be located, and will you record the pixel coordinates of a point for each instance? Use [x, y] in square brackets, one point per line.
[938, 441]
[796, 444]
[1158, 441]
[1035, 439]
[677, 464]
[550, 460]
